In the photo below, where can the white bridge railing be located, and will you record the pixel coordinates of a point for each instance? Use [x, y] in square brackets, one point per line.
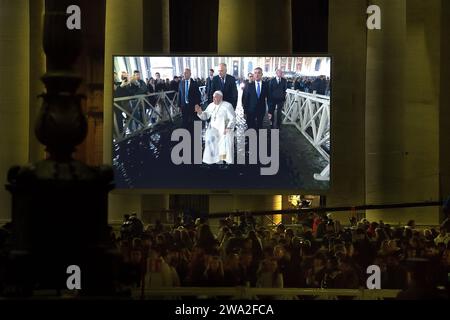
[310, 114]
[142, 112]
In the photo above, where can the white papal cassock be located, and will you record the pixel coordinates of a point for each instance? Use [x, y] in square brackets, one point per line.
[219, 146]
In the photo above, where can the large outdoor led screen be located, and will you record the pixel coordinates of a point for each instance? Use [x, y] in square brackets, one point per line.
[211, 122]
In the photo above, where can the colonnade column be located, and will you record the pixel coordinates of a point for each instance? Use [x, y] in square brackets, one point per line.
[14, 92]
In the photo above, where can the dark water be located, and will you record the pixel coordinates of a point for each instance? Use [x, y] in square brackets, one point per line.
[144, 162]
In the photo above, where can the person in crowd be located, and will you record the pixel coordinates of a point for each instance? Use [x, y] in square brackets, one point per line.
[256, 245]
[443, 236]
[159, 83]
[116, 82]
[396, 273]
[414, 261]
[151, 85]
[330, 274]
[158, 272]
[269, 276]
[223, 228]
[347, 277]
[173, 86]
[167, 85]
[319, 85]
[224, 244]
[214, 273]
[315, 274]
[226, 84]
[249, 268]
[235, 243]
[136, 226]
[232, 271]
[123, 89]
[136, 268]
[206, 239]
[249, 78]
[137, 85]
[277, 98]
[421, 282]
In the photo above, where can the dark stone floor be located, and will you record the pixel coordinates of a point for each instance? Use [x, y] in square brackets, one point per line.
[144, 162]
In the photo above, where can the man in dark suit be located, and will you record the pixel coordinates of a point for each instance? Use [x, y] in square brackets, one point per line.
[137, 85]
[159, 83]
[254, 99]
[174, 84]
[188, 99]
[225, 83]
[209, 85]
[277, 97]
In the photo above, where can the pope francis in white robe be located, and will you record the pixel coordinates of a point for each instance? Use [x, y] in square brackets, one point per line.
[219, 136]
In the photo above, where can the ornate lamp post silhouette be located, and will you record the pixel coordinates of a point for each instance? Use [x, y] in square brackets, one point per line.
[59, 205]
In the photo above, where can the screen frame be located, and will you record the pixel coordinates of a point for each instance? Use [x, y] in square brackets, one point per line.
[231, 191]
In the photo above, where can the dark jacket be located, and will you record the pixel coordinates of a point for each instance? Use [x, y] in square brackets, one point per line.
[160, 86]
[250, 101]
[208, 89]
[230, 93]
[174, 85]
[139, 88]
[193, 95]
[124, 91]
[277, 92]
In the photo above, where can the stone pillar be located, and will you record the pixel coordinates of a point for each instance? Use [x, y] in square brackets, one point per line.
[156, 26]
[123, 35]
[37, 69]
[384, 104]
[53, 199]
[14, 97]
[444, 110]
[254, 26]
[155, 207]
[402, 117]
[121, 203]
[243, 202]
[347, 45]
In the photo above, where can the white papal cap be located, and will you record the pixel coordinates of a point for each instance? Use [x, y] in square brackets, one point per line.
[219, 93]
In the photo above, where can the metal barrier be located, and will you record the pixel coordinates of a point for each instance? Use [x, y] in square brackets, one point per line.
[143, 112]
[246, 293]
[310, 114]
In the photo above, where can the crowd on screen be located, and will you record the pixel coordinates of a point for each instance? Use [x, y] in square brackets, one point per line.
[127, 85]
[272, 95]
[318, 253]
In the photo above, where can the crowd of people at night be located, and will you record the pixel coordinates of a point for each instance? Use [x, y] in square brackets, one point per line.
[316, 253]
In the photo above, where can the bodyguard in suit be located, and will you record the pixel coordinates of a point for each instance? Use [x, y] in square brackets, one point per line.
[188, 99]
[277, 97]
[209, 84]
[254, 99]
[225, 83]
